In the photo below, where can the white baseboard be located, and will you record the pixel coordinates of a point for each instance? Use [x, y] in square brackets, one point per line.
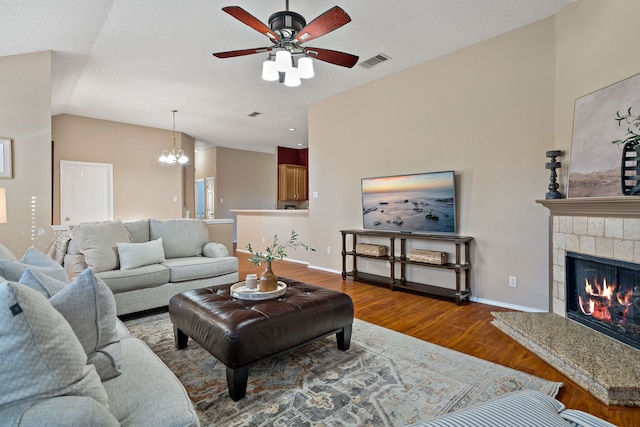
[507, 305]
[328, 270]
[473, 299]
[297, 261]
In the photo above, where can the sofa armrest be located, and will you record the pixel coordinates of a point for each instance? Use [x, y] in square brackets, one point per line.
[69, 411]
[214, 250]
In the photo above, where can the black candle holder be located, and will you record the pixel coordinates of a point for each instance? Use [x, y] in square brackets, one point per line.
[553, 192]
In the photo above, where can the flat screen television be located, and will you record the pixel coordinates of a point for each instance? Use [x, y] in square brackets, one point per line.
[414, 203]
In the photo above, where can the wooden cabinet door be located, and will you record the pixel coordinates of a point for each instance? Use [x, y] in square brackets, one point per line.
[292, 183]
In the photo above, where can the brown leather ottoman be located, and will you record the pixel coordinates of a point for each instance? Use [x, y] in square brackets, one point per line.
[240, 333]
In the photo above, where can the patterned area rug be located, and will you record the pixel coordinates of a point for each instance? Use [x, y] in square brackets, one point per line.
[384, 379]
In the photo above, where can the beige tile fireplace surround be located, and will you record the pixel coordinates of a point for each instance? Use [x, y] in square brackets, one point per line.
[607, 227]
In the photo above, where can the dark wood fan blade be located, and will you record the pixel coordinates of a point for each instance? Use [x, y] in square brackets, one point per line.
[242, 52]
[332, 56]
[330, 20]
[246, 18]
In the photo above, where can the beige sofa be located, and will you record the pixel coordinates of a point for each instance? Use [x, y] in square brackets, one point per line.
[146, 262]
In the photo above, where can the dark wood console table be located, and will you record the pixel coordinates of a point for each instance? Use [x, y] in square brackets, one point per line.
[461, 265]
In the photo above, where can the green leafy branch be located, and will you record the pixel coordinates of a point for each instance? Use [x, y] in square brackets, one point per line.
[276, 251]
[633, 121]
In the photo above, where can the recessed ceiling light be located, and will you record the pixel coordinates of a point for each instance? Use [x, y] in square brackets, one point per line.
[299, 145]
[292, 129]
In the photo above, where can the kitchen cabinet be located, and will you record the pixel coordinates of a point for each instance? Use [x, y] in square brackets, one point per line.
[292, 183]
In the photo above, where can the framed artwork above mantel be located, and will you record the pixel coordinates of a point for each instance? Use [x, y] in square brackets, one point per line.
[595, 168]
[6, 159]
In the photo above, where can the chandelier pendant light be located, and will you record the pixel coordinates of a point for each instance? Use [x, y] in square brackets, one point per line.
[174, 156]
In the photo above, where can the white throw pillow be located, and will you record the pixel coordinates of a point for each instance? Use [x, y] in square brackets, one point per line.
[89, 307]
[97, 242]
[40, 356]
[134, 255]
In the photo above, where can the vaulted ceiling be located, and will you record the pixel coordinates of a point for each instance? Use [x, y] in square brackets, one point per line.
[133, 61]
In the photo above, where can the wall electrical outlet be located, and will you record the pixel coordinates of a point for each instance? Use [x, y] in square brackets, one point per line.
[513, 281]
[264, 240]
[328, 250]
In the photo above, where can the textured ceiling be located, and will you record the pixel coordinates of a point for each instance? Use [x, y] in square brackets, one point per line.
[133, 61]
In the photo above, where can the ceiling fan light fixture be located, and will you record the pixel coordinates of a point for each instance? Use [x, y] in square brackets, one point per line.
[269, 71]
[283, 60]
[292, 78]
[305, 66]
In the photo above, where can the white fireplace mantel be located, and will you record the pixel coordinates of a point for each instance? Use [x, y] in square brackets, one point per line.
[612, 207]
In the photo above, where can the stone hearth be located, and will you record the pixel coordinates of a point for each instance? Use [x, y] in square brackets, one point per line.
[607, 227]
[605, 367]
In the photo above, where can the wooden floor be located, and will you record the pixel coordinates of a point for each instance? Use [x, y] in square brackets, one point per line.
[464, 328]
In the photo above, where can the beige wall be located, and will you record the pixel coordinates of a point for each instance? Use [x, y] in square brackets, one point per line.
[594, 49]
[245, 180]
[490, 112]
[258, 228]
[142, 187]
[25, 117]
[485, 112]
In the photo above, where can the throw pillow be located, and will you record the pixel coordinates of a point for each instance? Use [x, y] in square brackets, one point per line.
[34, 260]
[134, 255]
[5, 253]
[524, 408]
[34, 257]
[97, 242]
[40, 356]
[38, 281]
[89, 307]
[182, 237]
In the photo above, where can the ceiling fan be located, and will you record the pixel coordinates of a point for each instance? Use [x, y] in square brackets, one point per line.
[288, 30]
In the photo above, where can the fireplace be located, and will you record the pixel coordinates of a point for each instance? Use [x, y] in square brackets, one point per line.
[604, 294]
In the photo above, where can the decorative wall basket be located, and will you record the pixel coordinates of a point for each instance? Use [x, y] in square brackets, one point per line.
[630, 170]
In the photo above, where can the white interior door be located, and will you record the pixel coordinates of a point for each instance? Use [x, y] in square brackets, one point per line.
[209, 189]
[86, 192]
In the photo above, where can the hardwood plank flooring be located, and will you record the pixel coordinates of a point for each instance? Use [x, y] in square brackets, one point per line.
[465, 328]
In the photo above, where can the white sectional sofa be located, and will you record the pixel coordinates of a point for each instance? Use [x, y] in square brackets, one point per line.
[146, 262]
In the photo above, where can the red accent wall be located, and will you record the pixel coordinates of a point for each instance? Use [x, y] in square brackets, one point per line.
[292, 156]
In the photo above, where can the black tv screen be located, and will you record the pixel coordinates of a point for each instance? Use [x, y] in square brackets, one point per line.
[414, 203]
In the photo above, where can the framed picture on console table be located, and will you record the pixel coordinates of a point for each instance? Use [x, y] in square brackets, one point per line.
[595, 168]
[5, 158]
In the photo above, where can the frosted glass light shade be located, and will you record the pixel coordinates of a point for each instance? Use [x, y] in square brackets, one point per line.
[305, 66]
[269, 71]
[283, 60]
[292, 78]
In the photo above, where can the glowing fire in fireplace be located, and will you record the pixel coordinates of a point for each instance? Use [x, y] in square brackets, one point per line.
[600, 299]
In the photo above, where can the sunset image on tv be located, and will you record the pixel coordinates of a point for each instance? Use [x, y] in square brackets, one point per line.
[423, 202]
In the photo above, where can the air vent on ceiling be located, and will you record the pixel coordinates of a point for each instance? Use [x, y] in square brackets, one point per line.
[254, 114]
[374, 60]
